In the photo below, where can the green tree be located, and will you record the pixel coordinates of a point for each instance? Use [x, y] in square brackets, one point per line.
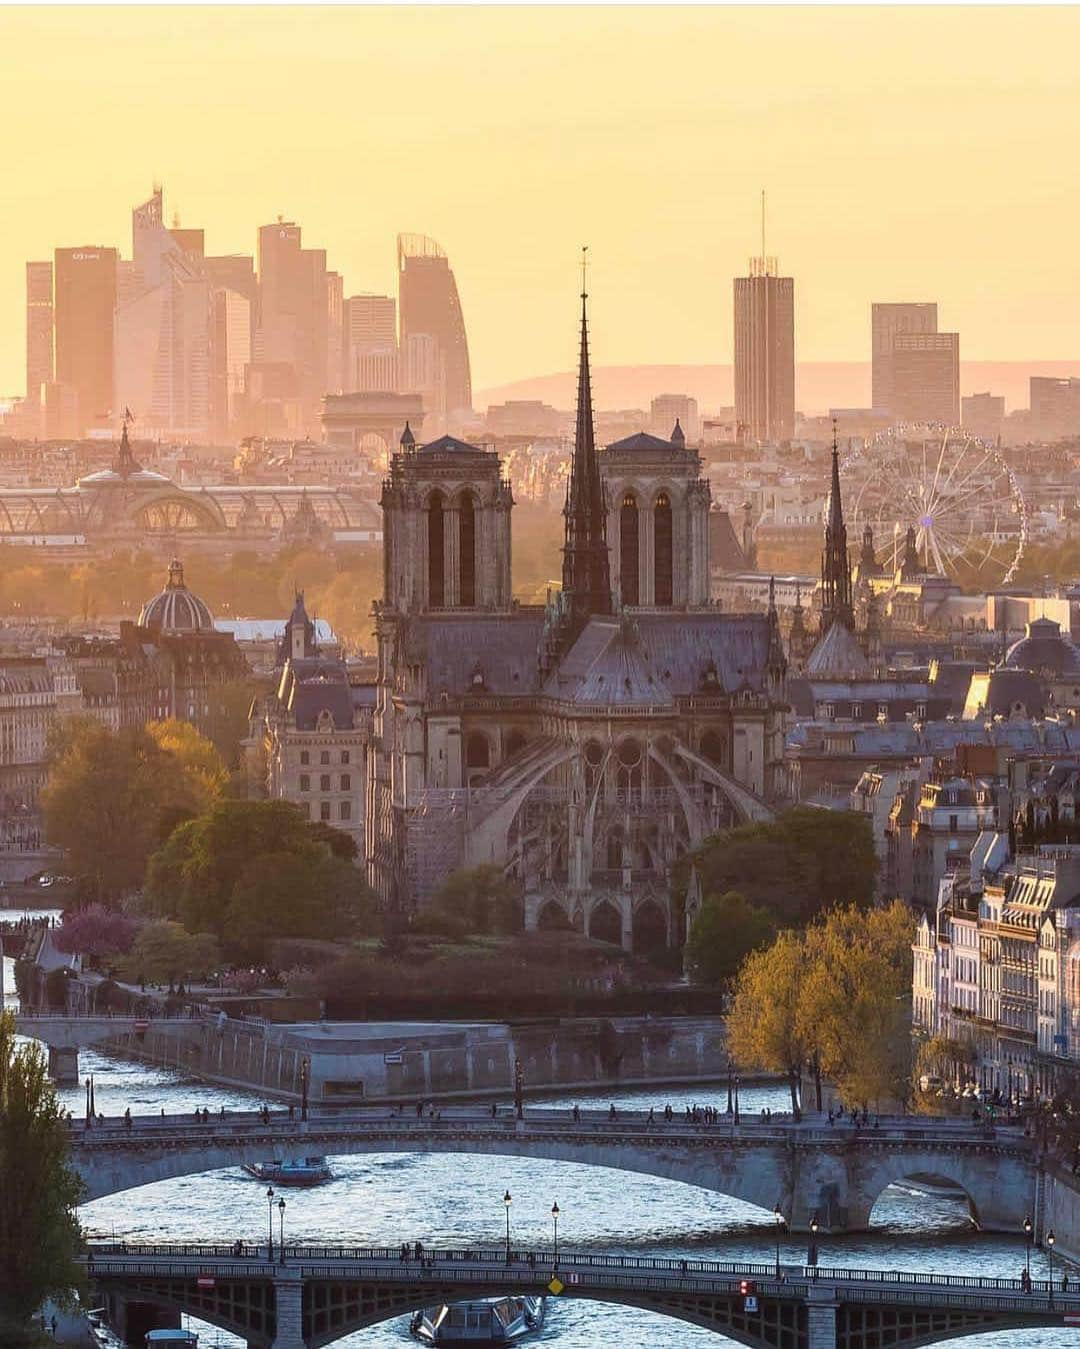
[112, 798]
[192, 877]
[483, 899]
[163, 952]
[300, 894]
[39, 1231]
[794, 867]
[725, 931]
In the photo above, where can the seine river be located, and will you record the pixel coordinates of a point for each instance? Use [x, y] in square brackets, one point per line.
[392, 1198]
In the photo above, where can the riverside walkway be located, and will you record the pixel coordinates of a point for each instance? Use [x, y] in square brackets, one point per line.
[807, 1167]
[304, 1297]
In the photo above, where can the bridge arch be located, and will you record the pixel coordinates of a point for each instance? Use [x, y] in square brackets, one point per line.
[914, 1177]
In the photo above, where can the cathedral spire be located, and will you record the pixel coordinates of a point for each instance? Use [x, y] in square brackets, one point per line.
[586, 569]
[836, 605]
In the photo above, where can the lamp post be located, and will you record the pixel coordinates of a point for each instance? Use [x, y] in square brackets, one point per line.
[507, 1201]
[304, 1071]
[519, 1089]
[811, 1254]
[1050, 1239]
[270, 1221]
[281, 1228]
[730, 1085]
[1028, 1229]
[555, 1225]
[737, 1081]
[779, 1228]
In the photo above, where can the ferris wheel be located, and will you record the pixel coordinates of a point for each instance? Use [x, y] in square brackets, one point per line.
[955, 492]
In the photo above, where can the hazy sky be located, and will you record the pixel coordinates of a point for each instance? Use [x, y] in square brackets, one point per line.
[907, 153]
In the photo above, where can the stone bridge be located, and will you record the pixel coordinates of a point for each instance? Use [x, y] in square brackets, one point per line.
[304, 1297]
[64, 1035]
[808, 1168]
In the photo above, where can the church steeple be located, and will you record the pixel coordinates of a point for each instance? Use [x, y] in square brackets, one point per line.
[586, 578]
[836, 605]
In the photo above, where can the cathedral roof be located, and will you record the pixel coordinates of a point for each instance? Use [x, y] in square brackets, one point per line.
[454, 647]
[450, 445]
[663, 656]
[643, 441]
[838, 655]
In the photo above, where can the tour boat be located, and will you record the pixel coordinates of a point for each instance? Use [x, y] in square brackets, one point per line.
[291, 1171]
[484, 1321]
[172, 1339]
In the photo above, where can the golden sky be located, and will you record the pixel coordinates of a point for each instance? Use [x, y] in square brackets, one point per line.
[907, 154]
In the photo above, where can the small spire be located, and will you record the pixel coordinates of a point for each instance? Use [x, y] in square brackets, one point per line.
[176, 574]
[678, 436]
[772, 594]
[408, 440]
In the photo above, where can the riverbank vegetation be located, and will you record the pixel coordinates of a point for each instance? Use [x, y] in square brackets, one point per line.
[834, 998]
[39, 1231]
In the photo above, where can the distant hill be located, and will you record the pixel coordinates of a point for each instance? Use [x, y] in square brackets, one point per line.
[819, 384]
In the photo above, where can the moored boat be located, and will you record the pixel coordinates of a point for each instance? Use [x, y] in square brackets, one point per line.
[291, 1171]
[483, 1321]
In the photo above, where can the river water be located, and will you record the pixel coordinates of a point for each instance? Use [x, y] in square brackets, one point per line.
[390, 1198]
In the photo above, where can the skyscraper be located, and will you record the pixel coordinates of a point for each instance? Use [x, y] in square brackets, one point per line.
[163, 329]
[887, 321]
[429, 304]
[39, 331]
[85, 293]
[371, 344]
[293, 327]
[765, 352]
[926, 377]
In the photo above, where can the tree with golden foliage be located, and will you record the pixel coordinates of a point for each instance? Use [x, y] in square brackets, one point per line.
[836, 996]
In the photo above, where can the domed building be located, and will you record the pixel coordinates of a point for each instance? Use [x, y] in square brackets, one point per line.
[1047, 652]
[201, 675]
[175, 609]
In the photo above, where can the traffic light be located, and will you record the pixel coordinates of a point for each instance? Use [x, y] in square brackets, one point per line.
[746, 1287]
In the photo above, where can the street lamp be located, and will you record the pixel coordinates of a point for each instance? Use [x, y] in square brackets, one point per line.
[281, 1228]
[555, 1225]
[507, 1201]
[737, 1081]
[811, 1254]
[779, 1228]
[1050, 1239]
[1028, 1228]
[730, 1084]
[304, 1070]
[270, 1220]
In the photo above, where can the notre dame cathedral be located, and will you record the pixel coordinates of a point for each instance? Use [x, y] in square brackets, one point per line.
[585, 745]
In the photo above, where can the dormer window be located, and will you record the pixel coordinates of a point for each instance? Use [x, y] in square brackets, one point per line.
[476, 679]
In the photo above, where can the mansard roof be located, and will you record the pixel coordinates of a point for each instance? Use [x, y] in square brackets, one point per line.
[314, 685]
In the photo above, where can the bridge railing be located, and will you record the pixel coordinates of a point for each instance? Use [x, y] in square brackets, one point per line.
[452, 1260]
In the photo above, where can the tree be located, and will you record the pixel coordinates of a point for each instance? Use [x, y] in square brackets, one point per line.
[39, 1231]
[113, 797]
[484, 899]
[192, 877]
[299, 894]
[794, 867]
[97, 932]
[765, 1029]
[725, 931]
[164, 952]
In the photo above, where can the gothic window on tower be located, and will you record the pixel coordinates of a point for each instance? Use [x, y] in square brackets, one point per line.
[467, 552]
[436, 530]
[663, 550]
[629, 588]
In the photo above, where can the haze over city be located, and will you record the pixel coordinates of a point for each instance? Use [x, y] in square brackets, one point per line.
[906, 154]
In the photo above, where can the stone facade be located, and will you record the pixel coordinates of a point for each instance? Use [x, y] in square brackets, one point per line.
[582, 747]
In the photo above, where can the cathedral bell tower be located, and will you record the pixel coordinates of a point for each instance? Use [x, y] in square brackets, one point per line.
[446, 528]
